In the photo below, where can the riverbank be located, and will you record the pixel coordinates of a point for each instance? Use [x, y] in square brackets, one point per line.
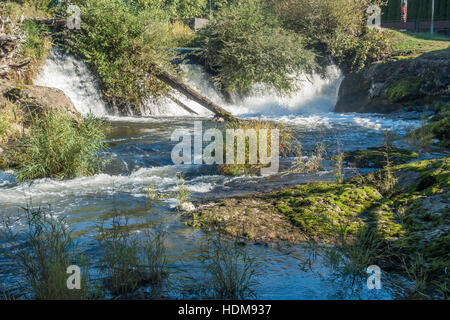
[415, 74]
[409, 222]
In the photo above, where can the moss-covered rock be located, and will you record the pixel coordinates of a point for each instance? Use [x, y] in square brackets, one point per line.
[412, 219]
[403, 90]
[391, 86]
[376, 157]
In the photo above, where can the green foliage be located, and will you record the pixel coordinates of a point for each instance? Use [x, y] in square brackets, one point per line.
[338, 27]
[245, 45]
[183, 193]
[435, 130]
[59, 147]
[355, 52]
[351, 257]
[44, 5]
[288, 145]
[36, 47]
[338, 164]
[123, 43]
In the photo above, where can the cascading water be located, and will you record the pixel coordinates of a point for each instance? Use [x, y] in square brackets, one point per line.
[72, 76]
[316, 94]
[139, 157]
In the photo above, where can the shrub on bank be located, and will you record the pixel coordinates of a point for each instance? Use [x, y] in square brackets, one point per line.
[122, 43]
[246, 45]
[338, 27]
[59, 147]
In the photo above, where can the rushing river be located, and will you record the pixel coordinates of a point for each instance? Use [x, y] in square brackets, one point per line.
[139, 155]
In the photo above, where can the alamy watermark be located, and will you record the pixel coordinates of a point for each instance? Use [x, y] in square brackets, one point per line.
[374, 279]
[374, 20]
[241, 146]
[74, 20]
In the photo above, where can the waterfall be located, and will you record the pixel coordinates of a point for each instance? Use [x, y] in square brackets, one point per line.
[73, 77]
[316, 94]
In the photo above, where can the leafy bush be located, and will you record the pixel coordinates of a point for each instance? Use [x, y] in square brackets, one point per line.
[337, 26]
[353, 53]
[123, 42]
[245, 45]
[59, 147]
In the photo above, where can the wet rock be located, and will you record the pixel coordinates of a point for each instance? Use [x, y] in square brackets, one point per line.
[187, 207]
[392, 86]
[36, 99]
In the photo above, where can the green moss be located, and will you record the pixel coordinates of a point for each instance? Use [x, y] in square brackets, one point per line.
[320, 209]
[407, 88]
[376, 157]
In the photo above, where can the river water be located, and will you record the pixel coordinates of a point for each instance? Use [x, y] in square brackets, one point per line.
[139, 154]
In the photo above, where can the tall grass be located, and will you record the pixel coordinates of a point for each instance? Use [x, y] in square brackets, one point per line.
[352, 256]
[61, 148]
[288, 145]
[36, 47]
[130, 260]
[232, 271]
[43, 250]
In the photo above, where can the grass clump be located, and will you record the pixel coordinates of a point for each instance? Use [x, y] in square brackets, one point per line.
[287, 145]
[43, 250]
[130, 260]
[10, 122]
[231, 269]
[59, 147]
[36, 47]
[34, 41]
[245, 45]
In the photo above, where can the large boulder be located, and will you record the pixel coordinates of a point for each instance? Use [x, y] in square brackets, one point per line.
[388, 87]
[36, 99]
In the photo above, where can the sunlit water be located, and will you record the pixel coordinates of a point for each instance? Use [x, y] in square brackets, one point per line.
[139, 156]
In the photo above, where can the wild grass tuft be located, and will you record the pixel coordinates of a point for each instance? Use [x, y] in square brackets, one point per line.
[231, 269]
[288, 145]
[43, 250]
[130, 260]
[61, 148]
[338, 165]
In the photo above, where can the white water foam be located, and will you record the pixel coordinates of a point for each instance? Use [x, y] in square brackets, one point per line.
[73, 77]
[316, 94]
[137, 183]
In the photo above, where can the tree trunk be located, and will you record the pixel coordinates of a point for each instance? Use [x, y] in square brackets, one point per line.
[193, 95]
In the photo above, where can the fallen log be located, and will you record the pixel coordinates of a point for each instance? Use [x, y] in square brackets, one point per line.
[4, 38]
[182, 105]
[51, 22]
[5, 69]
[190, 93]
